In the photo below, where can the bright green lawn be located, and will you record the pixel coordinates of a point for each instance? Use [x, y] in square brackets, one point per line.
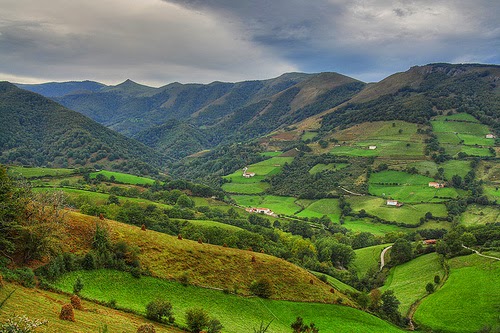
[492, 191]
[328, 207]
[468, 300]
[279, 205]
[252, 188]
[458, 116]
[322, 167]
[368, 258]
[409, 279]
[472, 140]
[475, 151]
[237, 314]
[476, 214]
[39, 172]
[408, 213]
[124, 177]
[460, 127]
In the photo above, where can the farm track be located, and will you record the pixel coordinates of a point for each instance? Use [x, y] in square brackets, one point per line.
[480, 254]
[382, 257]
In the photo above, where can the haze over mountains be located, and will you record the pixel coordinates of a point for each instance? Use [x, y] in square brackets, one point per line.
[180, 119]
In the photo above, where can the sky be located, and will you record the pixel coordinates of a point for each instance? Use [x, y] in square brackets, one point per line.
[156, 42]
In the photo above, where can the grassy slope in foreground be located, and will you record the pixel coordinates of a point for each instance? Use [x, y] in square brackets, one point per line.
[209, 265]
[237, 314]
[409, 279]
[40, 304]
[468, 300]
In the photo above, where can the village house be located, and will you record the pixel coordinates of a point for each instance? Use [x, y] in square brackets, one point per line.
[436, 185]
[429, 242]
[490, 136]
[372, 147]
[265, 211]
[394, 203]
[247, 174]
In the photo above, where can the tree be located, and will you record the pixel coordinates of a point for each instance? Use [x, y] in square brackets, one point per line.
[160, 310]
[390, 305]
[401, 251]
[298, 326]
[12, 205]
[429, 287]
[214, 326]
[184, 201]
[437, 279]
[78, 286]
[262, 287]
[468, 239]
[196, 319]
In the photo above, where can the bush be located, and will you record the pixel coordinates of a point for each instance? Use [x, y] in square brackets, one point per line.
[429, 287]
[262, 287]
[89, 261]
[214, 326]
[196, 319]
[160, 310]
[184, 279]
[26, 277]
[67, 313]
[78, 286]
[146, 328]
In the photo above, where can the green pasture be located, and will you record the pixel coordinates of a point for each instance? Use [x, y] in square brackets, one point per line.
[425, 167]
[449, 138]
[459, 127]
[97, 198]
[408, 213]
[279, 205]
[251, 188]
[335, 283]
[354, 151]
[385, 130]
[492, 191]
[455, 167]
[469, 299]
[476, 214]
[328, 207]
[413, 194]
[40, 172]
[134, 294]
[400, 177]
[458, 116]
[331, 167]
[124, 177]
[475, 151]
[384, 148]
[409, 279]
[368, 258]
[271, 153]
[472, 140]
[308, 136]
[365, 225]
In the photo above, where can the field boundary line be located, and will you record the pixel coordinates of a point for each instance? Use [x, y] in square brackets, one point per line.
[269, 310]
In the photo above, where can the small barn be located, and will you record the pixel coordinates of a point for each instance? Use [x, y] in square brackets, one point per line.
[436, 185]
[372, 147]
[490, 136]
[394, 203]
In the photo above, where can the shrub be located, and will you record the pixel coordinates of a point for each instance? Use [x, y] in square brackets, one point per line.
[76, 302]
[135, 272]
[146, 328]
[160, 310]
[21, 324]
[67, 313]
[184, 279]
[437, 279]
[262, 287]
[214, 326]
[89, 262]
[78, 286]
[26, 277]
[429, 287]
[323, 278]
[196, 319]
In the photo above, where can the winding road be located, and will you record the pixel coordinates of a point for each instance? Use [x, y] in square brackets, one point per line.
[479, 254]
[382, 257]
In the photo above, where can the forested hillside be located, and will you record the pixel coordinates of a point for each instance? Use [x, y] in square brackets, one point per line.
[37, 131]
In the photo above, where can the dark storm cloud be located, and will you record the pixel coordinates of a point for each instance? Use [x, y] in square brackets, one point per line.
[159, 41]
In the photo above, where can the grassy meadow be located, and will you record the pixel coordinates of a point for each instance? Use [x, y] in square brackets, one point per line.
[368, 258]
[476, 214]
[41, 304]
[330, 167]
[409, 279]
[408, 213]
[469, 299]
[132, 293]
[318, 208]
[40, 172]
[279, 205]
[124, 177]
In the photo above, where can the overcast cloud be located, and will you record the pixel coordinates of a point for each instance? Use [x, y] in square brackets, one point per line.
[160, 41]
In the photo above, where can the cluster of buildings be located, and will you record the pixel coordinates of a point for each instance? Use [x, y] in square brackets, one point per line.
[247, 174]
[265, 211]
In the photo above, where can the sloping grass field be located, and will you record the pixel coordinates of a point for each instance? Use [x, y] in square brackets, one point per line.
[328, 207]
[409, 279]
[368, 258]
[40, 172]
[322, 167]
[134, 294]
[279, 205]
[469, 299]
[476, 214]
[41, 304]
[408, 213]
[124, 177]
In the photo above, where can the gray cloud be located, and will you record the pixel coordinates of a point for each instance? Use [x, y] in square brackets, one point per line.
[159, 41]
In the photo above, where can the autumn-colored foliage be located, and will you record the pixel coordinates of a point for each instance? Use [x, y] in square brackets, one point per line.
[179, 236]
[143, 227]
[67, 313]
[253, 259]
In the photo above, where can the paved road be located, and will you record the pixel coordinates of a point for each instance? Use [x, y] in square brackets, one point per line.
[479, 254]
[382, 255]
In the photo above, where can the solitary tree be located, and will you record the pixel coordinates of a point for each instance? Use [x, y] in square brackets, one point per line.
[160, 310]
[429, 287]
[196, 319]
[401, 251]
